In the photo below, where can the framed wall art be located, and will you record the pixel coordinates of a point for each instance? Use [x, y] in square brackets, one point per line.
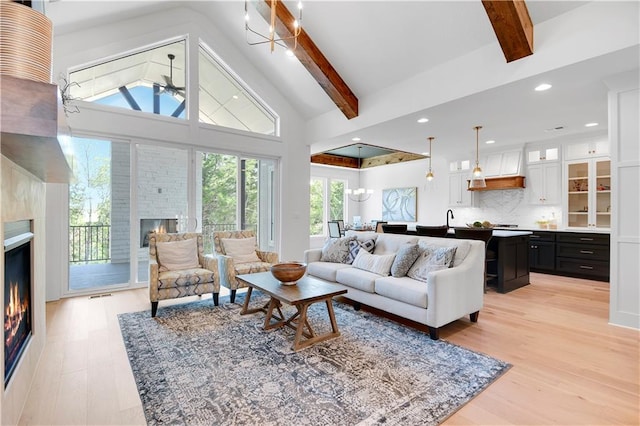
[399, 204]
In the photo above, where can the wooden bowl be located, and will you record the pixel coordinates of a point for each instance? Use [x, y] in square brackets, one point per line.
[288, 273]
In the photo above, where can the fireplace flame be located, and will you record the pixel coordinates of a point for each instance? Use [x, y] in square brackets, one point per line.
[14, 313]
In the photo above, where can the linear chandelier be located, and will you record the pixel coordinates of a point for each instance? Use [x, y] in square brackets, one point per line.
[272, 38]
[477, 177]
[430, 173]
[361, 194]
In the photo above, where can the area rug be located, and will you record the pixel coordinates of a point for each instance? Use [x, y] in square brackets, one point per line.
[197, 364]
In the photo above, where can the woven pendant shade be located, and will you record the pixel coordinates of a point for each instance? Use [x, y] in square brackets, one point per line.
[25, 42]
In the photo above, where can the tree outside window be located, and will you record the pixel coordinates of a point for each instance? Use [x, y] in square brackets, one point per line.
[325, 204]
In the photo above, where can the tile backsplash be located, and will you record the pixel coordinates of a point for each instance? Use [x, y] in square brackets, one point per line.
[509, 206]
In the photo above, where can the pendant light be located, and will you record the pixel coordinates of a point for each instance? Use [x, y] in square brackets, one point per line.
[430, 173]
[477, 177]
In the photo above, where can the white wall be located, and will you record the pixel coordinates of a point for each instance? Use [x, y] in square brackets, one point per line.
[624, 110]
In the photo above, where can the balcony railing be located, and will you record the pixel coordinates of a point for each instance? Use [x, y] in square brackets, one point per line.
[92, 243]
[89, 243]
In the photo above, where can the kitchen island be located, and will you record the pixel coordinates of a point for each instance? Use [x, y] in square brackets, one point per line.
[511, 267]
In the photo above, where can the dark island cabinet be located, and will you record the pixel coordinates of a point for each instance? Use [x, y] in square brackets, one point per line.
[583, 255]
[542, 251]
[572, 254]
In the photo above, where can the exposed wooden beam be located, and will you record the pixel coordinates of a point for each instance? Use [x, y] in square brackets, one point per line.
[335, 160]
[513, 27]
[396, 157]
[312, 58]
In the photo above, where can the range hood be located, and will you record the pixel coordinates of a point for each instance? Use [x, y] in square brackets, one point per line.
[503, 182]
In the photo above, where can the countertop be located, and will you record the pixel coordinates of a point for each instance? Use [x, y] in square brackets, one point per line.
[504, 233]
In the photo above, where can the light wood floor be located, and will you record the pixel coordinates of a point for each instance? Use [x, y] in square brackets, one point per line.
[569, 366]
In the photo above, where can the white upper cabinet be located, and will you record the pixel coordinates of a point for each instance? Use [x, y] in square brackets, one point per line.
[577, 150]
[459, 166]
[543, 183]
[536, 155]
[502, 164]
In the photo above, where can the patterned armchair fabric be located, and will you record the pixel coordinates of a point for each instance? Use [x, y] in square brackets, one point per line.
[173, 284]
[228, 269]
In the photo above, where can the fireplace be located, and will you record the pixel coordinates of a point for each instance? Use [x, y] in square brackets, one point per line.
[17, 300]
[161, 226]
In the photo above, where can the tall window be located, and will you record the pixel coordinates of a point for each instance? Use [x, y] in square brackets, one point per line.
[326, 203]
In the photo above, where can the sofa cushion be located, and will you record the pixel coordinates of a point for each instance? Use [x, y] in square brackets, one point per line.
[357, 278]
[432, 258]
[377, 263]
[242, 250]
[336, 250]
[362, 235]
[406, 256]
[403, 289]
[462, 250]
[177, 255]
[356, 245]
[391, 243]
[325, 270]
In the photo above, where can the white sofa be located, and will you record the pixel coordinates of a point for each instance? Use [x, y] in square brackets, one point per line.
[447, 295]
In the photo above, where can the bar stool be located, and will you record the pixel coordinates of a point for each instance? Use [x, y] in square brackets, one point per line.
[432, 231]
[485, 235]
[394, 228]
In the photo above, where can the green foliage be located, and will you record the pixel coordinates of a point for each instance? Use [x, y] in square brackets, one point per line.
[316, 207]
[219, 200]
[336, 200]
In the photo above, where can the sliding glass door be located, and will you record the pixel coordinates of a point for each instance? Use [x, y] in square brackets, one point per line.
[237, 192]
[99, 212]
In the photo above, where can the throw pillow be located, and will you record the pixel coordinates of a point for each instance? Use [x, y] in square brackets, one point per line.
[356, 245]
[405, 257]
[177, 255]
[336, 250]
[242, 250]
[377, 263]
[432, 258]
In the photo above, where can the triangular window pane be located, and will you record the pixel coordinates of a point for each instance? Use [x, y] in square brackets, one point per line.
[226, 101]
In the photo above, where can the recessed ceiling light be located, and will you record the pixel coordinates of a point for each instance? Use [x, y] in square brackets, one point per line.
[235, 96]
[490, 141]
[356, 139]
[426, 154]
[590, 124]
[422, 120]
[542, 87]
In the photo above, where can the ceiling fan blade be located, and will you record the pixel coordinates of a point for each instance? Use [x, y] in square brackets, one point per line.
[167, 80]
[181, 93]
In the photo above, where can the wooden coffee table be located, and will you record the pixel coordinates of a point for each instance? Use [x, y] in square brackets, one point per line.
[306, 292]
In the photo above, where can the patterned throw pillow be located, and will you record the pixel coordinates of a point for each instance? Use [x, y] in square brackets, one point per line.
[336, 250]
[356, 245]
[406, 256]
[433, 258]
[377, 263]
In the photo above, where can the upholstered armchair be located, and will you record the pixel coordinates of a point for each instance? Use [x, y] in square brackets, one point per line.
[179, 268]
[237, 254]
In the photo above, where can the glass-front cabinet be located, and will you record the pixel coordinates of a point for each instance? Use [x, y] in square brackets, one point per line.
[589, 193]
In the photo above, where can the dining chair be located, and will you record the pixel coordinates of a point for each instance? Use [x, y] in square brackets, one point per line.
[334, 229]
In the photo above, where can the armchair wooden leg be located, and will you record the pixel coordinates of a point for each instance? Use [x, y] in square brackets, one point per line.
[154, 309]
[215, 299]
[232, 298]
[474, 316]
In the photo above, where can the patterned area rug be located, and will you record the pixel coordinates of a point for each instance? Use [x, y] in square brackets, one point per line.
[198, 364]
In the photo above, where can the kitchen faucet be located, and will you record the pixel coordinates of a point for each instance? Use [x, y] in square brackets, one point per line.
[449, 211]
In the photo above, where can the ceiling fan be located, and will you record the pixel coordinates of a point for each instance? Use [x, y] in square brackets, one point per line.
[171, 88]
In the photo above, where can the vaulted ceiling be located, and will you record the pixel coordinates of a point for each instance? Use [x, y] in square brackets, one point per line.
[379, 46]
